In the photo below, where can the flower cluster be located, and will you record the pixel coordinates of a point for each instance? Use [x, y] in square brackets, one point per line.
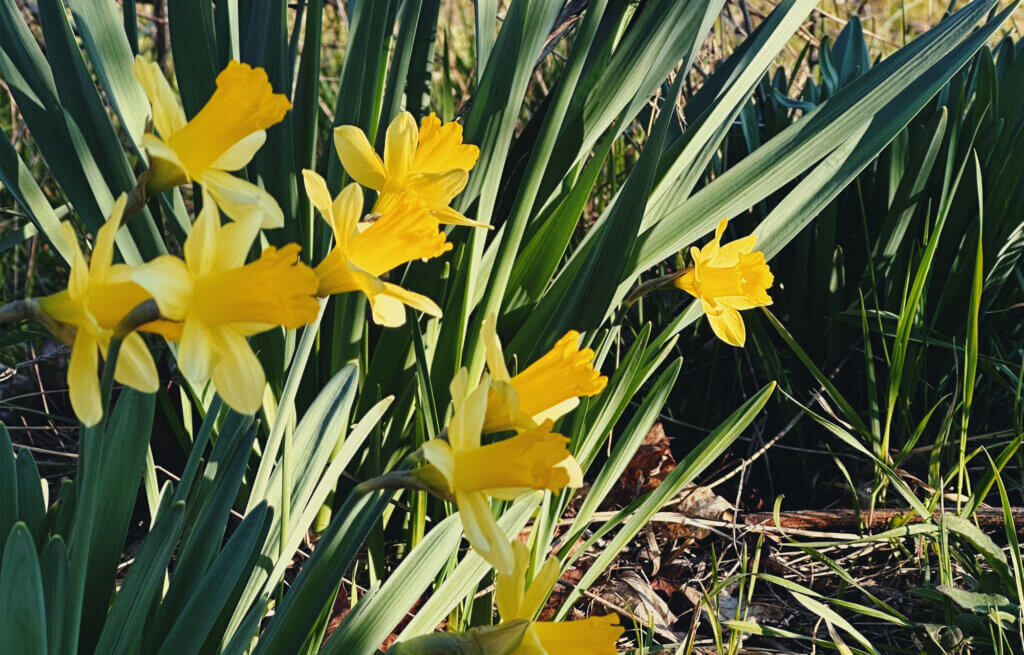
[533, 458]
[421, 172]
[222, 290]
[500, 442]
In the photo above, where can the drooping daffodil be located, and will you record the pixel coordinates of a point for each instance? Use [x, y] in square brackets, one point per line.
[546, 390]
[224, 136]
[518, 599]
[430, 163]
[474, 472]
[363, 251]
[221, 300]
[728, 278]
[98, 296]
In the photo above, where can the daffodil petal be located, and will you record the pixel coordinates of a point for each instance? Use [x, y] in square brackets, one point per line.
[415, 300]
[467, 422]
[345, 213]
[135, 366]
[238, 375]
[688, 282]
[438, 187]
[540, 588]
[729, 254]
[727, 324]
[595, 635]
[508, 589]
[233, 243]
[78, 279]
[65, 241]
[400, 145]
[241, 199]
[62, 308]
[387, 310]
[439, 455]
[195, 353]
[459, 388]
[241, 153]
[483, 533]
[83, 380]
[358, 157]
[168, 280]
[556, 411]
[448, 216]
[103, 249]
[493, 352]
[168, 115]
[200, 245]
[317, 191]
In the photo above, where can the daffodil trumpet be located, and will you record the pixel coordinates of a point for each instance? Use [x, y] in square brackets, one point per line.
[544, 391]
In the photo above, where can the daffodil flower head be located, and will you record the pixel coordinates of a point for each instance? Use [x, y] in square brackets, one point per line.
[532, 460]
[727, 279]
[546, 390]
[221, 300]
[430, 163]
[518, 599]
[98, 296]
[364, 251]
[224, 136]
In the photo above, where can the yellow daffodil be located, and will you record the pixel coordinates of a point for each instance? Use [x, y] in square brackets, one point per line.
[363, 251]
[728, 278]
[506, 469]
[546, 390]
[221, 300]
[98, 296]
[516, 599]
[431, 164]
[224, 136]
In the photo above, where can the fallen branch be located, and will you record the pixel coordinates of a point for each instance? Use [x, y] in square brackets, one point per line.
[881, 519]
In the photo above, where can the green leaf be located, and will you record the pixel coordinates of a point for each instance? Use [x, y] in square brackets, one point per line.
[194, 45]
[56, 574]
[928, 61]
[464, 579]
[211, 594]
[298, 613]
[626, 445]
[206, 519]
[31, 504]
[373, 619]
[122, 633]
[22, 612]
[988, 549]
[104, 505]
[110, 54]
[8, 483]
